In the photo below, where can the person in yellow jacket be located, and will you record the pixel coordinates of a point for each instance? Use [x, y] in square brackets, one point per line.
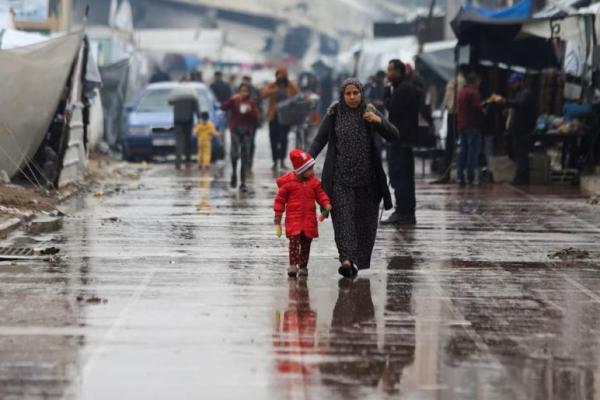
[205, 131]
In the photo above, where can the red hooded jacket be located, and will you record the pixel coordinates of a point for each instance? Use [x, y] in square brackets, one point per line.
[296, 197]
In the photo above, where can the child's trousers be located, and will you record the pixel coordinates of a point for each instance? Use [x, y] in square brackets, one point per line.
[299, 250]
[204, 155]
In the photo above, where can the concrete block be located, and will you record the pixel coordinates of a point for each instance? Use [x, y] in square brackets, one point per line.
[7, 226]
[44, 224]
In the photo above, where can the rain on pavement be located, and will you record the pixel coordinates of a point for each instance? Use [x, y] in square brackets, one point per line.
[176, 289]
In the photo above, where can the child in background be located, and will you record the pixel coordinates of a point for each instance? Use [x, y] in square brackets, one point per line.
[297, 194]
[205, 131]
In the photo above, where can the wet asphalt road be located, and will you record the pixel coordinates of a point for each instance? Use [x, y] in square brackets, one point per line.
[176, 289]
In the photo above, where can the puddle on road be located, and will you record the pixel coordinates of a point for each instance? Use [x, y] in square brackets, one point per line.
[175, 291]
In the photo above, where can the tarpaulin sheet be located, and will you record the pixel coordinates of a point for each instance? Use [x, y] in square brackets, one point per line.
[114, 97]
[375, 54]
[440, 62]
[530, 53]
[468, 26]
[517, 11]
[11, 38]
[33, 79]
[497, 41]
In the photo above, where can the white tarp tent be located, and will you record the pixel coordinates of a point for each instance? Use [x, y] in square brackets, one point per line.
[11, 38]
[375, 54]
[33, 81]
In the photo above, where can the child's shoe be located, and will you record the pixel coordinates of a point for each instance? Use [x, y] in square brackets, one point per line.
[292, 271]
[303, 270]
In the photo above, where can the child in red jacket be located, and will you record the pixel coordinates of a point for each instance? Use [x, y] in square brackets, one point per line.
[297, 194]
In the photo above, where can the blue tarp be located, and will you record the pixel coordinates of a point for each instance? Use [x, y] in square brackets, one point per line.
[520, 10]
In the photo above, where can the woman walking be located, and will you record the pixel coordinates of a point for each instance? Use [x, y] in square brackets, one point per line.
[353, 175]
[244, 115]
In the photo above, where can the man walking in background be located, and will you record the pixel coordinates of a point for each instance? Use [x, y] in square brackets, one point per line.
[276, 92]
[468, 116]
[185, 105]
[220, 88]
[402, 102]
[254, 95]
[522, 116]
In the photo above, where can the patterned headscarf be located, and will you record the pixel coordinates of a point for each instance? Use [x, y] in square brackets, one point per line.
[353, 82]
[349, 121]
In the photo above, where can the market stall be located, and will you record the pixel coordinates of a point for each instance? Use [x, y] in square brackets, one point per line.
[557, 53]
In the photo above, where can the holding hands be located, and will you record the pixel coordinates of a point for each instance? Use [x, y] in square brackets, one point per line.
[325, 213]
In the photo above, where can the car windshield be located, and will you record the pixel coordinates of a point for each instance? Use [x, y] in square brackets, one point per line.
[157, 100]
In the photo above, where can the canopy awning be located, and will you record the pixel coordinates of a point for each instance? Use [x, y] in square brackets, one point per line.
[440, 62]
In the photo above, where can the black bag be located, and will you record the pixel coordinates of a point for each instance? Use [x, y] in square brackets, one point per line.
[293, 111]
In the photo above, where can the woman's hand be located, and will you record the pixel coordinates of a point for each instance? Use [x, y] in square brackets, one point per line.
[370, 116]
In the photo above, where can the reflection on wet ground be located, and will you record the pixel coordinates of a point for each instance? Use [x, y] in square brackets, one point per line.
[176, 289]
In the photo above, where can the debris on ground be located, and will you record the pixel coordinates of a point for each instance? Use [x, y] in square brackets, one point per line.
[91, 300]
[570, 253]
[188, 187]
[48, 251]
[112, 219]
[594, 201]
[56, 213]
[43, 224]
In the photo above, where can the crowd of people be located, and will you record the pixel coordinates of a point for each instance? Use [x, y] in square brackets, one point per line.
[363, 125]
[466, 111]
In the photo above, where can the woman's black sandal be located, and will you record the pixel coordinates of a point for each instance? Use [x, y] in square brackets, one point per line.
[348, 269]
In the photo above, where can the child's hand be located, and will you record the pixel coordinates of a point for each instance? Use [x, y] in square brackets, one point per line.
[325, 213]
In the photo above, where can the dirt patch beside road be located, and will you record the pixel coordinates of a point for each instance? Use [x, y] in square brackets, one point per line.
[23, 198]
[23, 202]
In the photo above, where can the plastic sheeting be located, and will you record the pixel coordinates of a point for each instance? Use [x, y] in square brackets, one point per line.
[375, 54]
[33, 81]
[439, 61]
[114, 97]
[520, 10]
[10, 38]
[570, 28]
[121, 82]
[96, 127]
[469, 26]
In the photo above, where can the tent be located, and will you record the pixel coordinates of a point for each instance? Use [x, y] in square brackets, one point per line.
[114, 97]
[36, 77]
[375, 54]
[504, 41]
[11, 38]
[437, 60]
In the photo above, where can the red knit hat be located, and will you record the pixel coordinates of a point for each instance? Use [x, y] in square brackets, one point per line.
[301, 161]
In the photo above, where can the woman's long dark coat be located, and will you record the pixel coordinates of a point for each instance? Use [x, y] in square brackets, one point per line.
[326, 135]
